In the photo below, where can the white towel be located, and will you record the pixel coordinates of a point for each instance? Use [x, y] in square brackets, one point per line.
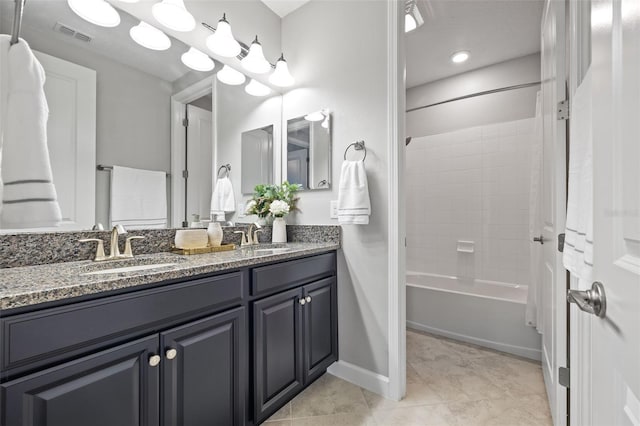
[354, 205]
[138, 198]
[29, 196]
[223, 200]
[578, 243]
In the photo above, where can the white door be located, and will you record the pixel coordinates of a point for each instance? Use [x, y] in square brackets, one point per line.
[553, 276]
[605, 365]
[199, 161]
[70, 90]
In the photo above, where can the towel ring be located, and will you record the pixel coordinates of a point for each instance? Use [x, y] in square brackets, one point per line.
[358, 146]
[227, 169]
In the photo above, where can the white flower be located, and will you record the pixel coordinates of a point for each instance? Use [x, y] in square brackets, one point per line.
[279, 208]
[249, 207]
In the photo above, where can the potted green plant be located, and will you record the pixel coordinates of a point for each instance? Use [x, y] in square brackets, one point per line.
[276, 201]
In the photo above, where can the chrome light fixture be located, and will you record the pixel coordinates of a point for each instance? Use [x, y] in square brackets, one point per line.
[255, 61]
[197, 60]
[150, 37]
[98, 12]
[228, 75]
[413, 17]
[281, 77]
[173, 15]
[255, 88]
[222, 42]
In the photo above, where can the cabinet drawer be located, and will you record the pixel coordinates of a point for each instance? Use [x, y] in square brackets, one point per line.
[272, 278]
[52, 334]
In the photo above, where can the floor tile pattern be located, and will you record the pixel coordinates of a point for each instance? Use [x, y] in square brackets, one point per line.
[448, 383]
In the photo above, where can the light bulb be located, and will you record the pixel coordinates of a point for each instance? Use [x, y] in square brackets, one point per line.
[410, 23]
[150, 37]
[222, 42]
[228, 75]
[255, 88]
[281, 76]
[459, 57]
[173, 15]
[98, 12]
[197, 60]
[255, 61]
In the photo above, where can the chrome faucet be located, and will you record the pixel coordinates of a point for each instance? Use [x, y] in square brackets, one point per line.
[114, 252]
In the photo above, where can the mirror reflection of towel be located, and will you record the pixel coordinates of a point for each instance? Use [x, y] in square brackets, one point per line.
[138, 198]
[222, 199]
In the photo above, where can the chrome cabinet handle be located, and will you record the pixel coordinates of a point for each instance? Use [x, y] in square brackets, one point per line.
[592, 301]
[154, 360]
[171, 353]
[302, 302]
[308, 299]
[539, 239]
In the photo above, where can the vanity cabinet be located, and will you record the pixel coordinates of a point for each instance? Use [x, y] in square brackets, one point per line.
[295, 339]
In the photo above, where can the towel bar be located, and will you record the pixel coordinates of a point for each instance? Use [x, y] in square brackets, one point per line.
[110, 168]
[358, 146]
[227, 169]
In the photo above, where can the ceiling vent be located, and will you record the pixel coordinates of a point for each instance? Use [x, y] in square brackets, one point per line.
[68, 31]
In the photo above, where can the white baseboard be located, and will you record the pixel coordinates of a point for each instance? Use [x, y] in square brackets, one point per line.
[359, 376]
[522, 351]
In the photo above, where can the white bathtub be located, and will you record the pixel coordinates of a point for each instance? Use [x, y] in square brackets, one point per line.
[485, 313]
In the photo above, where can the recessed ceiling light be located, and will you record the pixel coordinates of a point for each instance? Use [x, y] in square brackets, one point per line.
[98, 12]
[459, 57]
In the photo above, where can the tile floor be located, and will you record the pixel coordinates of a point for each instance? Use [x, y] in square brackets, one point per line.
[448, 383]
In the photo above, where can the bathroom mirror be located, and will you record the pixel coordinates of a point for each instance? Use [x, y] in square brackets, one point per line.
[309, 150]
[124, 119]
[257, 158]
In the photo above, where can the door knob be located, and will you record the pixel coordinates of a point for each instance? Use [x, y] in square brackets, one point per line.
[592, 301]
[154, 360]
[171, 353]
[539, 239]
[302, 301]
[308, 299]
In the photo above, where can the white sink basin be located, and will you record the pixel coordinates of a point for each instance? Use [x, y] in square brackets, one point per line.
[272, 250]
[135, 268]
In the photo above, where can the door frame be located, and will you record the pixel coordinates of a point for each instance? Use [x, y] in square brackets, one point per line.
[178, 101]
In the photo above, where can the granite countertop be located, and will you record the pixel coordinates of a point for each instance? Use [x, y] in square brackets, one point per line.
[31, 285]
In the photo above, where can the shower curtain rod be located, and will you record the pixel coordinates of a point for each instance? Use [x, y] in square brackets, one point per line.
[17, 21]
[473, 95]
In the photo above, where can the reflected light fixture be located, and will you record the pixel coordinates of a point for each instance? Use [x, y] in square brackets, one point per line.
[281, 77]
[98, 12]
[197, 60]
[128, 1]
[327, 119]
[255, 61]
[315, 116]
[228, 75]
[150, 37]
[413, 17]
[222, 42]
[173, 15]
[460, 57]
[255, 88]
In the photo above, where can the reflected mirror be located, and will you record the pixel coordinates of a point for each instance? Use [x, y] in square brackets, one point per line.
[309, 150]
[257, 158]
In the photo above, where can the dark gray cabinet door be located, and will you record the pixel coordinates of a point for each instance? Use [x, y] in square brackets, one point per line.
[320, 314]
[203, 380]
[113, 387]
[277, 343]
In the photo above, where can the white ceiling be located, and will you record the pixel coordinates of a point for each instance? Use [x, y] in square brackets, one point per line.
[284, 7]
[492, 30]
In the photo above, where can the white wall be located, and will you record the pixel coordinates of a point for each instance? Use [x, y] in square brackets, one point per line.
[133, 110]
[337, 51]
[472, 185]
[478, 111]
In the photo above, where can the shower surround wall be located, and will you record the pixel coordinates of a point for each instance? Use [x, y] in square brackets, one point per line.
[471, 185]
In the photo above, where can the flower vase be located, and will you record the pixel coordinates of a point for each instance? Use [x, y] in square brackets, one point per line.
[279, 231]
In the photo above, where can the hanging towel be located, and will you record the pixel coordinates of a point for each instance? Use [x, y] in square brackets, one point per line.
[534, 297]
[138, 198]
[578, 243]
[29, 196]
[222, 200]
[354, 205]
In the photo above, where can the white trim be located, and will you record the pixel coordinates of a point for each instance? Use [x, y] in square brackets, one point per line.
[535, 354]
[366, 379]
[396, 225]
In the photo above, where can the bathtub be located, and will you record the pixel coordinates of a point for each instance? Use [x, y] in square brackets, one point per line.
[485, 313]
